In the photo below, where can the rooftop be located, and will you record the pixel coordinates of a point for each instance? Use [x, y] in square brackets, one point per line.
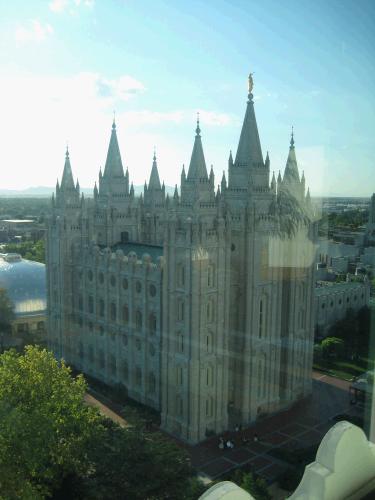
[326, 286]
[154, 251]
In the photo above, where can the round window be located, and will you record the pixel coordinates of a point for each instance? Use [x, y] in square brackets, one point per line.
[138, 287]
[152, 290]
[113, 281]
[125, 284]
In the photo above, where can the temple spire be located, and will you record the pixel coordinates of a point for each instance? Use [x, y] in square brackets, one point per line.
[249, 151]
[113, 165]
[197, 168]
[291, 173]
[154, 182]
[67, 181]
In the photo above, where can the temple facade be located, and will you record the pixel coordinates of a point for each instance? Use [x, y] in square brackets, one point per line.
[200, 303]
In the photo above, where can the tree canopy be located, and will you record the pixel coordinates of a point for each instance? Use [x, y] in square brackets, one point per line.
[53, 445]
[6, 311]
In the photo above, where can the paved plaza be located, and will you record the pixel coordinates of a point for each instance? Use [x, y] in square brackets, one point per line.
[300, 427]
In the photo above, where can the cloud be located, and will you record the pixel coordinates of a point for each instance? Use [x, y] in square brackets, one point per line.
[60, 6]
[209, 118]
[122, 88]
[33, 31]
[39, 114]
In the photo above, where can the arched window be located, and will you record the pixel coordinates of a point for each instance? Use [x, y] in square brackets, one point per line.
[138, 376]
[179, 342]
[179, 375]
[138, 320]
[80, 303]
[180, 275]
[125, 371]
[211, 276]
[80, 350]
[260, 381]
[209, 343]
[180, 310]
[209, 407]
[262, 316]
[113, 311]
[125, 314]
[101, 359]
[179, 406]
[91, 304]
[112, 365]
[101, 308]
[209, 376]
[91, 354]
[152, 323]
[210, 310]
[151, 383]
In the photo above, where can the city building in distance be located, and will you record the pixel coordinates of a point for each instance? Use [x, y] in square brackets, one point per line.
[200, 303]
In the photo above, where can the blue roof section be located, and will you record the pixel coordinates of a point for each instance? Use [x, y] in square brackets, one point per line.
[154, 251]
[25, 283]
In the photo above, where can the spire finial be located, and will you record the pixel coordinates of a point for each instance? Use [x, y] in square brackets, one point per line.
[251, 83]
[198, 130]
[154, 157]
[67, 150]
[114, 120]
[292, 138]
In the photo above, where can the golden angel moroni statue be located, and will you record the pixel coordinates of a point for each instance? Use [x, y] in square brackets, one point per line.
[251, 83]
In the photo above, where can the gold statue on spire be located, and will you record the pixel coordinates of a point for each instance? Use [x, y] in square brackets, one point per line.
[251, 83]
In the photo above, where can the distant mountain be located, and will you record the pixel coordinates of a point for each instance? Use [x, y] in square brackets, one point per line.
[45, 192]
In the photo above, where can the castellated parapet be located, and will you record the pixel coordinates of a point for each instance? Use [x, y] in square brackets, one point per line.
[200, 303]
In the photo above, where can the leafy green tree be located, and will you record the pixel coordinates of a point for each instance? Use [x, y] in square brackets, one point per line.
[53, 445]
[256, 486]
[332, 347]
[6, 312]
[130, 464]
[45, 429]
[28, 249]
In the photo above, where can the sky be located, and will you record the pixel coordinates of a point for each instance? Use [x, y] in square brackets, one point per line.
[67, 65]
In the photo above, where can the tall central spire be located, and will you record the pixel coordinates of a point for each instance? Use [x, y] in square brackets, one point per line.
[197, 167]
[154, 182]
[113, 165]
[249, 152]
[291, 169]
[67, 177]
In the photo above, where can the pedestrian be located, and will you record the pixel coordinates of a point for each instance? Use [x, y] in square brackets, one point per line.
[221, 443]
[256, 439]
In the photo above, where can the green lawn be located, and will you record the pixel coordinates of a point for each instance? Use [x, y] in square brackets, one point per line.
[344, 369]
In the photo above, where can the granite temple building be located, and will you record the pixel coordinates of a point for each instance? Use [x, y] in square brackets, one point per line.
[200, 303]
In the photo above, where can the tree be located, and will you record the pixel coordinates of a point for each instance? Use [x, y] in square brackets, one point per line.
[53, 445]
[45, 429]
[6, 312]
[332, 347]
[257, 487]
[130, 464]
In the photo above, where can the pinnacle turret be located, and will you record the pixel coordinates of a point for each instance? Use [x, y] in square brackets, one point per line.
[67, 181]
[154, 182]
[113, 165]
[273, 183]
[197, 167]
[291, 174]
[249, 151]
